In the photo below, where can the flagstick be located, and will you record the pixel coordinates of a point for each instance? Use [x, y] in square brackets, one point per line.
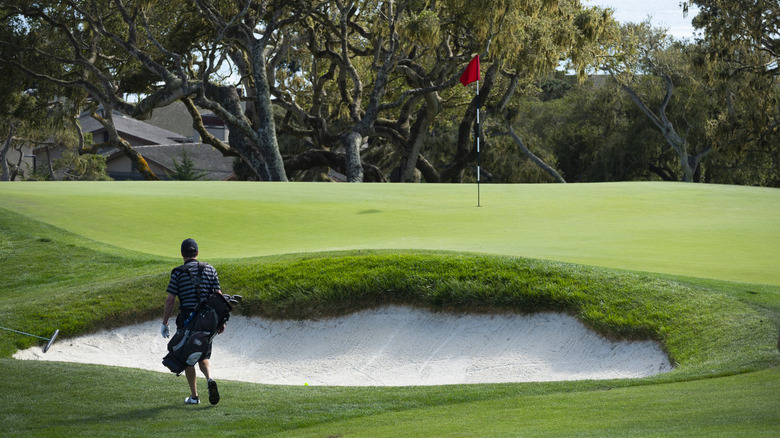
[472, 74]
[478, 164]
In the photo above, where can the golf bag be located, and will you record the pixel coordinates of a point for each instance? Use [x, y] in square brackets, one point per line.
[194, 337]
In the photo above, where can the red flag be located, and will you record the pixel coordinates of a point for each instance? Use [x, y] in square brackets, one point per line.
[472, 72]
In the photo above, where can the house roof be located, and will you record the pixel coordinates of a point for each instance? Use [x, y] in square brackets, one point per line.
[146, 132]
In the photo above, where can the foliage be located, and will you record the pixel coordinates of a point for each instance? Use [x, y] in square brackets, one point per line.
[170, 52]
[740, 59]
[185, 170]
[596, 133]
[592, 132]
[77, 167]
[742, 33]
[644, 54]
[32, 118]
[381, 85]
[555, 87]
[370, 88]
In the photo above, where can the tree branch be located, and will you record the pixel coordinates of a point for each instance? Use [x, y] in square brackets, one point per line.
[538, 161]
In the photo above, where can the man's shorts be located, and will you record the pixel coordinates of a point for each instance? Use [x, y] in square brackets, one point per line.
[183, 314]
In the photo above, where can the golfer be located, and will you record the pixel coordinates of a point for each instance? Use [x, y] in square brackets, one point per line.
[181, 286]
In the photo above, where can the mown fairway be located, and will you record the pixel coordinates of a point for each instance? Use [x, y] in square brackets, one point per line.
[83, 256]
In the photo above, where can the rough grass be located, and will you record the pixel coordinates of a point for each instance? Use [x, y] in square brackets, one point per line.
[696, 324]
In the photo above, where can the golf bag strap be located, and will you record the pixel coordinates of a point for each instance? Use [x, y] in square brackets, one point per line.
[195, 282]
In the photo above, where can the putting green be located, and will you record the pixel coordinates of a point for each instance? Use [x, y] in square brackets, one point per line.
[709, 231]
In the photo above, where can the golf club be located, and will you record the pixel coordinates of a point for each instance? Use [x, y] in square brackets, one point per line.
[51, 340]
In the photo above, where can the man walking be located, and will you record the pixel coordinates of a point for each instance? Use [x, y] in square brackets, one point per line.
[181, 286]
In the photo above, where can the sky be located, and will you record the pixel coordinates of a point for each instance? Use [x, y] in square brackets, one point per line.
[664, 13]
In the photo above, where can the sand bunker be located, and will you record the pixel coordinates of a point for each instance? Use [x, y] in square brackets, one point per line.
[393, 346]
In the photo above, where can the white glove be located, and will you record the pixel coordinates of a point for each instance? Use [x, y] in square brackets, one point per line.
[165, 331]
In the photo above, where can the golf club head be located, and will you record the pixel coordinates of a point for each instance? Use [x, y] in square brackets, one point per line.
[233, 299]
[51, 340]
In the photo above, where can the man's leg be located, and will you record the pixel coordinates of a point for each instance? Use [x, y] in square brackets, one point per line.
[205, 368]
[189, 372]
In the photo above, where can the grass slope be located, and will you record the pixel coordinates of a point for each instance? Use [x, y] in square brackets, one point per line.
[722, 232]
[59, 272]
[60, 399]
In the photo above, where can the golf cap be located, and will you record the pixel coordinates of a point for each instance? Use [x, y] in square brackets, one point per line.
[189, 246]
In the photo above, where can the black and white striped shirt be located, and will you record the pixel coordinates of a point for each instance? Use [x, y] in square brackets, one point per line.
[181, 284]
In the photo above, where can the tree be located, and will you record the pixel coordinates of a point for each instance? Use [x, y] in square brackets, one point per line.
[345, 59]
[19, 111]
[59, 44]
[171, 51]
[740, 59]
[354, 78]
[87, 167]
[185, 170]
[378, 79]
[35, 119]
[593, 132]
[646, 54]
[9, 120]
[743, 33]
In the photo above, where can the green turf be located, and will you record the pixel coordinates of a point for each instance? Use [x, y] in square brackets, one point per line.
[723, 232]
[86, 256]
[52, 399]
[735, 406]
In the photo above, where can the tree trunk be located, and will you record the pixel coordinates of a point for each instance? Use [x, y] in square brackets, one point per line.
[256, 147]
[251, 155]
[49, 163]
[427, 170]
[411, 150]
[352, 142]
[264, 115]
[4, 152]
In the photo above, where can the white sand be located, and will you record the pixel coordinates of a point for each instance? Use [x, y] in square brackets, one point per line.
[392, 346]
